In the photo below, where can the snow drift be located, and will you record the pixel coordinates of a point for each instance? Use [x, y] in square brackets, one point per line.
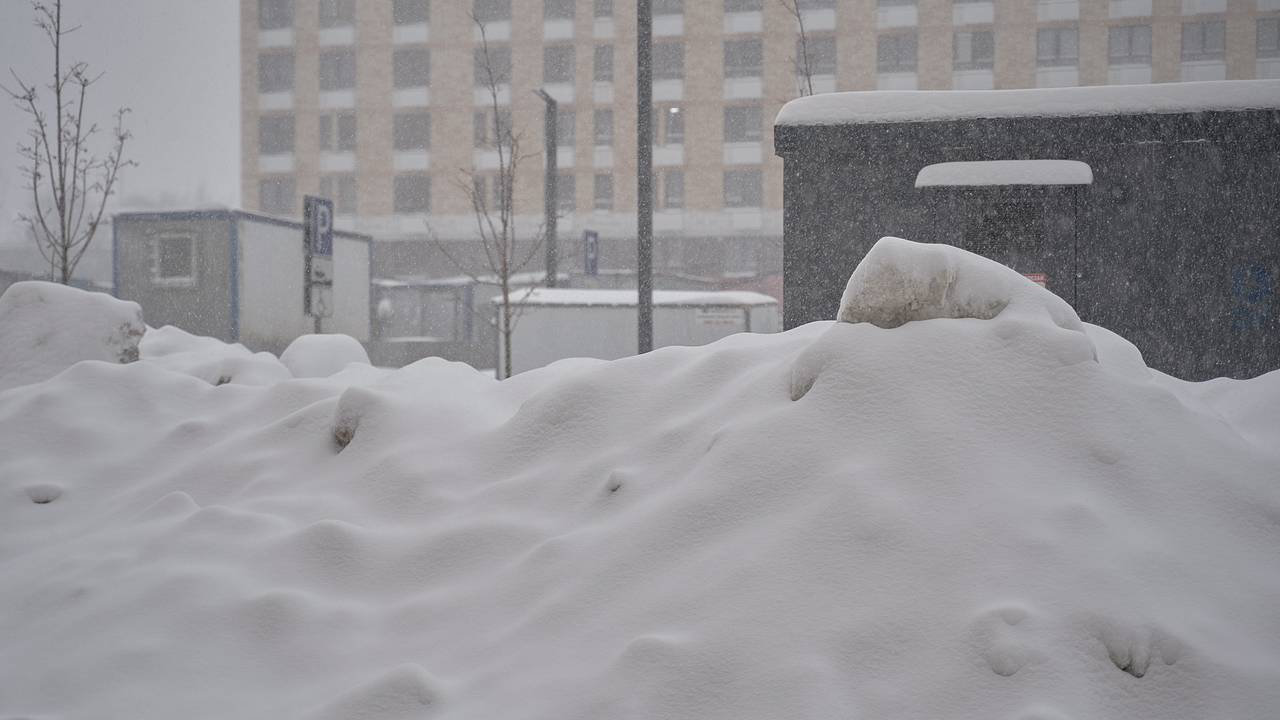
[960, 517]
[46, 328]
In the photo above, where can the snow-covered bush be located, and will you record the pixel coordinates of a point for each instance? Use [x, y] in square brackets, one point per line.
[318, 356]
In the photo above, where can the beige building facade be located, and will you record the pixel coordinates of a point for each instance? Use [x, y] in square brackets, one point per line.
[376, 103]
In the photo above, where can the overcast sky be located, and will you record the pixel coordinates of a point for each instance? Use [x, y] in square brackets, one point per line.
[175, 63]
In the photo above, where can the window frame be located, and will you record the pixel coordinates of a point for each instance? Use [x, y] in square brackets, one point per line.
[157, 260]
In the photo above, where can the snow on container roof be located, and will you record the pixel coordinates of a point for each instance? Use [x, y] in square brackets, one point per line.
[938, 105]
[629, 298]
[1005, 172]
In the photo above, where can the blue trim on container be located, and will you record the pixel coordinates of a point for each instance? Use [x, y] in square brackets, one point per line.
[369, 290]
[233, 237]
[179, 215]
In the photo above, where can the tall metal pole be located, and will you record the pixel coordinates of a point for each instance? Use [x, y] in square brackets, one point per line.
[644, 173]
[549, 205]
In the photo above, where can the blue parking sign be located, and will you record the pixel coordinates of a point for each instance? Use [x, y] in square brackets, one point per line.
[317, 216]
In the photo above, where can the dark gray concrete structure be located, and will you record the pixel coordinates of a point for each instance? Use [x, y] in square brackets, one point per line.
[1175, 245]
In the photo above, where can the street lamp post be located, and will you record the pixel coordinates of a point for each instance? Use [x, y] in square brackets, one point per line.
[550, 207]
[644, 173]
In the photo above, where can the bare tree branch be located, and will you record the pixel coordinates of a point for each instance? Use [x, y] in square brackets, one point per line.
[64, 175]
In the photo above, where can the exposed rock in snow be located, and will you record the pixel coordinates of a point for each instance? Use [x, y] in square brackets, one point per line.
[46, 328]
[317, 356]
[899, 281]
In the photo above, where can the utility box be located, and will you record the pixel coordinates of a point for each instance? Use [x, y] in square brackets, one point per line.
[236, 276]
[1152, 209]
[553, 324]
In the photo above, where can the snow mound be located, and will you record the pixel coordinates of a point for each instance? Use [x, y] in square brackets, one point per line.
[209, 359]
[46, 328]
[958, 518]
[318, 356]
[900, 281]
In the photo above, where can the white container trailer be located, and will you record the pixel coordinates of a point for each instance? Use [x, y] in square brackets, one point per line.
[556, 323]
[235, 276]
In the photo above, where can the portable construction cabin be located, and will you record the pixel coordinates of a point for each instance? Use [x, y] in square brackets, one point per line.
[235, 276]
[558, 323]
[1154, 209]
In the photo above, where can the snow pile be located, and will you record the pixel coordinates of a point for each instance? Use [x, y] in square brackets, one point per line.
[959, 517]
[899, 281]
[317, 356]
[46, 328]
[210, 360]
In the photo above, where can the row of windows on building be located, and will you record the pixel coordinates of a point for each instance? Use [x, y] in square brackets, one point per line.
[743, 188]
[974, 49]
[411, 130]
[280, 14]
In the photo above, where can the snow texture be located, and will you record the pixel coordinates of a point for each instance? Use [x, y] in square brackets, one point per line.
[959, 518]
[317, 356]
[937, 105]
[1005, 172]
[46, 328]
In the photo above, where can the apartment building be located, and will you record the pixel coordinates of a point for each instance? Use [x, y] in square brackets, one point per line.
[379, 104]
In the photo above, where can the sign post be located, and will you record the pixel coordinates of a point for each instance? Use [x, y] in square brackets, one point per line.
[317, 300]
[591, 252]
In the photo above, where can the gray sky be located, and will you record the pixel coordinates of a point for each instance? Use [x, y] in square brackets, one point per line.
[174, 62]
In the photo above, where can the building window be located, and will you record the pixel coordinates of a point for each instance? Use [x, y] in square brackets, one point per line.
[603, 8]
[668, 7]
[338, 132]
[486, 133]
[565, 121]
[743, 123]
[173, 259]
[733, 6]
[491, 10]
[1269, 37]
[668, 61]
[412, 194]
[342, 190]
[1057, 47]
[603, 192]
[337, 69]
[742, 188]
[565, 193]
[275, 195]
[743, 58]
[557, 9]
[497, 61]
[275, 72]
[410, 12]
[1205, 40]
[602, 124]
[975, 50]
[821, 52]
[672, 189]
[602, 63]
[275, 14]
[1129, 45]
[411, 67]
[411, 131]
[896, 53]
[557, 64]
[337, 13]
[668, 125]
[275, 134]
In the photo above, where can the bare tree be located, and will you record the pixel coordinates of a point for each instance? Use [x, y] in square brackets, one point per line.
[495, 217]
[804, 69]
[69, 184]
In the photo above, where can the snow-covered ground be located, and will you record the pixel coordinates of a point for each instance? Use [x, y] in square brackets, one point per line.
[912, 513]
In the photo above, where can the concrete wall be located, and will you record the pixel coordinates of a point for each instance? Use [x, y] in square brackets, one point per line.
[1177, 236]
